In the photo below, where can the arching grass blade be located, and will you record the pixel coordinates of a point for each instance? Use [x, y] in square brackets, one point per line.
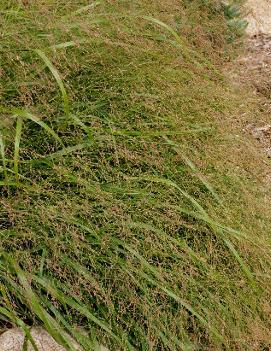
[17, 140]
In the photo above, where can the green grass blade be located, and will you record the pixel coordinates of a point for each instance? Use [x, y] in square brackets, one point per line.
[183, 303]
[31, 117]
[155, 134]
[243, 266]
[33, 301]
[43, 125]
[17, 140]
[172, 184]
[220, 230]
[3, 155]
[55, 73]
[202, 179]
[83, 126]
[58, 154]
[178, 243]
[86, 8]
[216, 226]
[65, 98]
[166, 26]
[15, 184]
[194, 169]
[67, 44]
[84, 340]
[186, 51]
[84, 273]
[161, 283]
[17, 321]
[168, 343]
[144, 262]
[67, 300]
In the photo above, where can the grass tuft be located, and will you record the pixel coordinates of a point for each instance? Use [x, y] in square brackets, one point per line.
[134, 208]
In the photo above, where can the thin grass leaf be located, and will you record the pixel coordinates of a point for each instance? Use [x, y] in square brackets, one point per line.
[243, 266]
[67, 300]
[85, 274]
[33, 301]
[172, 184]
[166, 26]
[17, 140]
[84, 340]
[203, 180]
[17, 321]
[192, 166]
[55, 73]
[65, 98]
[184, 345]
[167, 342]
[162, 284]
[31, 117]
[68, 44]
[139, 133]
[64, 152]
[20, 175]
[76, 304]
[181, 244]
[204, 216]
[188, 53]
[144, 262]
[3, 155]
[16, 112]
[83, 126]
[16, 184]
[44, 126]
[12, 317]
[28, 337]
[183, 303]
[87, 8]
[213, 224]
[172, 344]
[219, 229]
[9, 314]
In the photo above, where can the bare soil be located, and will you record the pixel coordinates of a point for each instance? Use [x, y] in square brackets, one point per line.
[259, 17]
[253, 68]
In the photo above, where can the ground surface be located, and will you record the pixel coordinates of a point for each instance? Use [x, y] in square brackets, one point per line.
[13, 340]
[259, 18]
[253, 68]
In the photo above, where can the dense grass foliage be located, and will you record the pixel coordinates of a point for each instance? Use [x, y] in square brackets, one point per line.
[130, 210]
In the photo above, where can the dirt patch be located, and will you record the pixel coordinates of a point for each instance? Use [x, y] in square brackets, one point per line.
[253, 68]
[250, 73]
[263, 135]
[259, 17]
[255, 65]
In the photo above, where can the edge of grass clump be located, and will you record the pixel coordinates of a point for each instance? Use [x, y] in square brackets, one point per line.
[132, 213]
